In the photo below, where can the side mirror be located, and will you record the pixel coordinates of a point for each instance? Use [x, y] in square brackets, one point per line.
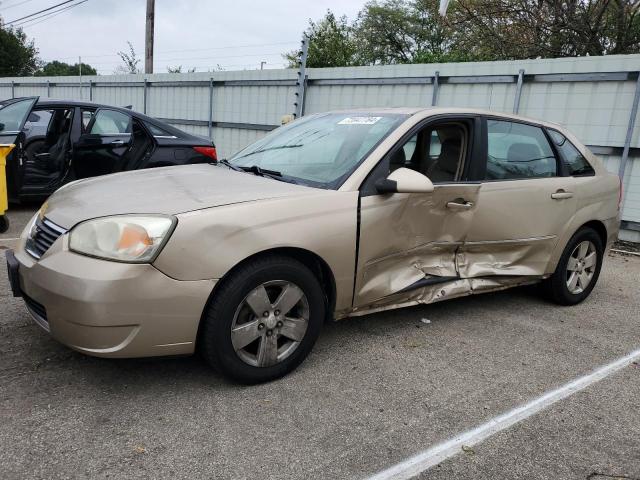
[404, 180]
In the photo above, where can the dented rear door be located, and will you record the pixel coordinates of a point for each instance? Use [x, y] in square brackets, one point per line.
[408, 241]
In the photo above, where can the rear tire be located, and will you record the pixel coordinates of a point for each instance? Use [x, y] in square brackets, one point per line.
[246, 336]
[578, 269]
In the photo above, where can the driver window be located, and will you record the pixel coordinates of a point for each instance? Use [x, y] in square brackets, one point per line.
[436, 151]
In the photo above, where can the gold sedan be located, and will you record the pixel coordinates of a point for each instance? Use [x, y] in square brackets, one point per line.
[333, 215]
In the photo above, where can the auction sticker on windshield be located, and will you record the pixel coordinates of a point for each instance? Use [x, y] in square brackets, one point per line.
[359, 121]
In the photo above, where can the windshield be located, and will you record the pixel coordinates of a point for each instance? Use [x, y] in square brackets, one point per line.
[321, 150]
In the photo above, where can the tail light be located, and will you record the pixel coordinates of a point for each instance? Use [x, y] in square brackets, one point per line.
[207, 152]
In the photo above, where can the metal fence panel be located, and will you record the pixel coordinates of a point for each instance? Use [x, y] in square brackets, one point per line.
[592, 96]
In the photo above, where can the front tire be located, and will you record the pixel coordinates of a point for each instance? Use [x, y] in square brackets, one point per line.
[263, 320]
[578, 268]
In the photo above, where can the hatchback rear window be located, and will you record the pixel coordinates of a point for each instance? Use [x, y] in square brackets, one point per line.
[573, 160]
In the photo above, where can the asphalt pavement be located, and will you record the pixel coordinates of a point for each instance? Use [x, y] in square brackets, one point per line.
[374, 391]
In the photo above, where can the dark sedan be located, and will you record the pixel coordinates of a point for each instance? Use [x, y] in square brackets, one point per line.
[58, 141]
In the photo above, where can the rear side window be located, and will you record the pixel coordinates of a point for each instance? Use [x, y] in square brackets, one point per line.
[572, 159]
[157, 131]
[37, 123]
[110, 122]
[518, 151]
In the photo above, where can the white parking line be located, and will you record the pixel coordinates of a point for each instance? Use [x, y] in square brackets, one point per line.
[428, 458]
[9, 239]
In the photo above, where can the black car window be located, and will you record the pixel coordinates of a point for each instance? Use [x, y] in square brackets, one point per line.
[157, 131]
[37, 123]
[518, 151]
[110, 122]
[12, 116]
[573, 160]
[86, 117]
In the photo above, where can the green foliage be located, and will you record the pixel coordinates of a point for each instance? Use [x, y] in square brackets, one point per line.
[18, 57]
[178, 69]
[130, 61]
[57, 69]
[412, 31]
[332, 44]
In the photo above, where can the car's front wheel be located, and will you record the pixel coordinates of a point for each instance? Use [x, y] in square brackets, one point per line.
[263, 320]
[578, 269]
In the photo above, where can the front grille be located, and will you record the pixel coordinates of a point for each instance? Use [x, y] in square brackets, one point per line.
[42, 235]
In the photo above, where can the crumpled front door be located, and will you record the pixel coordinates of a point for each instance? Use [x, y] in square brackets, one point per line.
[408, 241]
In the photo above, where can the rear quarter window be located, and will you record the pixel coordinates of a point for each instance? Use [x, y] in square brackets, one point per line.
[574, 162]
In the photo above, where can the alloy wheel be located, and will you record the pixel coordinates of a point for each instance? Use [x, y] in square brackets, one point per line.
[270, 323]
[581, 267]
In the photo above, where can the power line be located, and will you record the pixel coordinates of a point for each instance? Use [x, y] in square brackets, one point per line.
[227, 47]
[16, 4]
[184, 59]
[41, 11]
[47, 16]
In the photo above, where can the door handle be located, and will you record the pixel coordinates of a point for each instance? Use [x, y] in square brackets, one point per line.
[117, 142]
[459, 205]
[561, 195]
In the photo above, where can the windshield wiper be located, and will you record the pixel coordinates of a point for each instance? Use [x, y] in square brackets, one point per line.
[230, 165]
[261, 171]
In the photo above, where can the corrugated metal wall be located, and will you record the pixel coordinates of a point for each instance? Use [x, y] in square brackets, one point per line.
[596, 111]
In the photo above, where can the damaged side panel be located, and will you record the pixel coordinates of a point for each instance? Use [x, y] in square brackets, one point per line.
[443, 291]
[406, 239]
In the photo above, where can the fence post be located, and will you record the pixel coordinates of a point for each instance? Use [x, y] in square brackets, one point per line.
[210, 122]
[436, 86]
[13, 89]
[630, 127]
[48, 89]
[516, 100]
[302, 77]
[144, 96]
[91, 90]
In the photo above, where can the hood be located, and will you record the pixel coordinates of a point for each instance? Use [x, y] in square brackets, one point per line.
[167, 190]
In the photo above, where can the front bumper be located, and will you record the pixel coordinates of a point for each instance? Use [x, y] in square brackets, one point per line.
[109, 309]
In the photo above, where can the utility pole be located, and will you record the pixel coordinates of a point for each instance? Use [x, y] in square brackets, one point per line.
[80, 72]
[148, 45]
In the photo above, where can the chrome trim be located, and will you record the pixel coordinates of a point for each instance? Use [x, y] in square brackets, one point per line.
[515, 241]
[42, 323]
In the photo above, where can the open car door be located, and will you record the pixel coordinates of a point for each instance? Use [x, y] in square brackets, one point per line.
[13, 115]
[103, 148]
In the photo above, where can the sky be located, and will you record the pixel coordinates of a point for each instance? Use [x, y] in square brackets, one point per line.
[235, 35]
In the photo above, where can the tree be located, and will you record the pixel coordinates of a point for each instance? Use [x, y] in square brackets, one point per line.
[513, 29]
[178, 69]
[18, 57]
[401, 31]
[130, 61]
[56, 69]
[412, 31]
[332, 44]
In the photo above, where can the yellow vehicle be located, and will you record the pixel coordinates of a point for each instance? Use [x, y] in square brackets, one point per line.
[4, 203]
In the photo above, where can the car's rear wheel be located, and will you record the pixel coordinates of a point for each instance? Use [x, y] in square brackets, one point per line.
[578, 269]
[4, 224]
[263, 320]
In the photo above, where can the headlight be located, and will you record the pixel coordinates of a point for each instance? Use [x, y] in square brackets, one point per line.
[124, 238]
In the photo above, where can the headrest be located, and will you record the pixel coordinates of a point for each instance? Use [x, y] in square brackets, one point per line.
[523, 152]
[449, 155]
